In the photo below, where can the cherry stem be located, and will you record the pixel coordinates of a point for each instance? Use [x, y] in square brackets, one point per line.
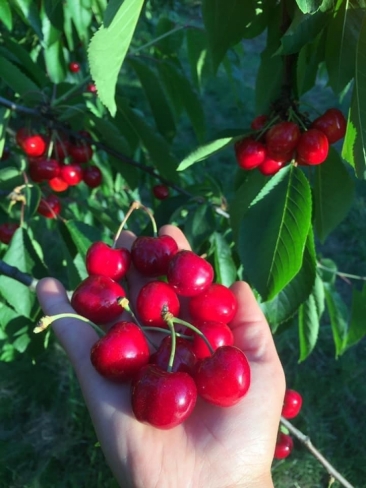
[134, 206]
[125, 303]
[294, 115]
[167, 331]
[173, 345]
[266, 127]
[47, 320]
[153, 222]
[168, 316]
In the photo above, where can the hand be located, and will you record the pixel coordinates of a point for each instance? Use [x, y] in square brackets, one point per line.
[215, 447]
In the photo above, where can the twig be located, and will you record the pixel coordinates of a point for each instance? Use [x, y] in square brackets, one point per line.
[307, 442]
[16, 274]
[341, 274]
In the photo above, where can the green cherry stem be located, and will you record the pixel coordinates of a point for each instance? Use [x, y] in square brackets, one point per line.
[173, 345]
[134, 206]
[167, 331]
[125, 303]
[47, 320]
[266, 127]
[175, 320]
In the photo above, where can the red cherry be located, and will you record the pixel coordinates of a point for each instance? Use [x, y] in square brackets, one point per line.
[33, 145]
[72, 173]
[312, 148]
[284, 446]
[121, 353]
[58, 184]
[218, 334]
[96, 299]
[249, 153]
[184, 358]
[282, 138]
[161, 399]
[223, 378]
[91, 88]
[259, 122]
[7, 230]
[44, 169]
[189, 274]
[153, 299]
[151, 255]
[74, 67]
[332, 123]
[291, 404]
[270, 166]
[102, 259]
[160, 192]
[216, 303]
[92, 176]
[49, 207]
[81, 153]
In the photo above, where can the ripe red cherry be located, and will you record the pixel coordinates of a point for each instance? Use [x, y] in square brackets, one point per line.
[249, 153]
[184, 358]
[96, 299]
[121, 353]
[284, 446]
[312, 148]
[74, 67]
[160, 192]
[259, 122]
[223, 378]
[102, 259]
[49, 207]
[72, 173]
[332, 123]
[58, 184]
[189, 274]
[270, 167]
[161, 399]
[81, 152]
[291, 404]
[151, 255]
[153, 299]
[92, 176]
[282, 138]
[91, 88]
[33, 145]
[44, 169]
[216, 303]
[7, 230]
[218, 334]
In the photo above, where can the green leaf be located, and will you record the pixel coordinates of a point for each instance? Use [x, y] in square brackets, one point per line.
[198, 56]
[108, 48]
[15, 79]
[312, 6]
[55, 62]
[225, 269]
[21, 343]
[199, 225]
[357, 326]
[157, 99]
[4, 120]
[83, 235]
[55, 12]
[111, 10]
[32, 197]
[272, 254]
[327, 270]
[170, 44]
[307, 66]
[334, 191]
[81, 15]
[309, 319]
[338, 314]
[6, 16]
[25, 62]
[28, 10]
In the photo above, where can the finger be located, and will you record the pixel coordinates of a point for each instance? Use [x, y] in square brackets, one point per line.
[177, 234]
[125, 239]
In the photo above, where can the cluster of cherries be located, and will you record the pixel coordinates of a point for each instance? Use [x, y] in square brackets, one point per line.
[273, 145]
[291, 408]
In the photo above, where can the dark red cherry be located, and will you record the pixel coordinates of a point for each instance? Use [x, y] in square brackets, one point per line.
[49, 206]
[283, 137]
[332, 123]
[259, 122]
[184, 358]
[249, 153]
[102, 259]
[81, 152]
[151, 255]
[216, 303]
[92, 176]
[153, 300]
[44, 169]
[218, 334]
[161, 192]
[7, 230]
[312, 148]
[284, 446]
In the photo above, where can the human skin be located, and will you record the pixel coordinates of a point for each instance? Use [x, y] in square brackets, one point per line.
[215, 447]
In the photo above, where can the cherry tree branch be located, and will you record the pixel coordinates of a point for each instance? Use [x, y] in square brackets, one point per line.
[16, 274]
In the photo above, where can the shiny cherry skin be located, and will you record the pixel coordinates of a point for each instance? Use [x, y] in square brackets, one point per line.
[218, 334]
[96, 299]
[121, 353]
[91, 88]
[270, 167]
[102, 259]
[72, 173]
[292, 404]
[58, 184]
[313, 147]
[223, 378]
[7, 230]
[284, 446]
[282, 138]
[161, 192]
[74, 67]
[184, 358]
[189, 274]
[49, 206]
[34, 145]
[44, 169]
[332, 123]
[153, 299]
[216, 303]
[249, 153]
[151, 255]
[92, 176]
[259, 122]
[162, 399]
[81, 152]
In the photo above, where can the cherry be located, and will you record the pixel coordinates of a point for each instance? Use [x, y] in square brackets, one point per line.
[7, 230]
[33, 145]
[162, 399]
[81, 153]
[332, 123]
[189, 274]
[312, 148]
[282, 138]
[121, 353]
[74, 67]
[72, 173]
[92, 176]
[61, 148]
[249, 153]
[216, 303]
[44, 169]
[91, 88]
[259, 122]
[270, 167]
[151, 255]
[291, 404]
[58, 184]
[96, 299]
[223, 378]
[101, 259]
[49, 207]
[153, 300]
[21, 135]
[218, 334]
[184, 358]
[160, 192]
[284, 446]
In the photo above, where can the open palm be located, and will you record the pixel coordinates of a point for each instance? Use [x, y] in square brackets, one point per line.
[215, 447]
